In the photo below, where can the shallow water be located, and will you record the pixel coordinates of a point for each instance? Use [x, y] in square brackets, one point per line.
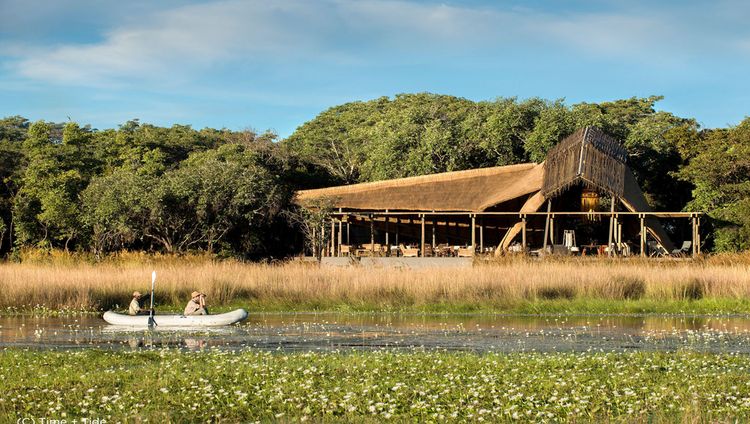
[330, 331]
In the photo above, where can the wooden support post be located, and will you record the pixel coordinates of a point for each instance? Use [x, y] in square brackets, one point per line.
[692, 226]
[473, 233]
[322, 239]
[422, 245]
[698, 235]
[372, 235]
[546, 226]
[333, 238]
[523, 232]
[619, 232]
[643, 234]
[552, 230]
[611, 227]
[433, 234]
[340, 238]
[348, 239]
[387, 237]
[398, 222]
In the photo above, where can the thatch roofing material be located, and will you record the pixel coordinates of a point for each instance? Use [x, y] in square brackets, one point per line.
[470, 191]
[588, 156]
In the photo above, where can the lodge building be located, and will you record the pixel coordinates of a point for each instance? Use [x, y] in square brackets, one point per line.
[582, 200]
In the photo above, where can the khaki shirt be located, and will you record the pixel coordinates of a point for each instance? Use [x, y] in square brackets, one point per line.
[134, 307]
[194, 308]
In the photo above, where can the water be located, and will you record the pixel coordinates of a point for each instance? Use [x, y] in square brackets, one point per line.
[329, 332]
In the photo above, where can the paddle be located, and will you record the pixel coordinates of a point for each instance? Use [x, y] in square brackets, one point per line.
[151, 321]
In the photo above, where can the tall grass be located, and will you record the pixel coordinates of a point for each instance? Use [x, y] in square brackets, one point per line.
[496, 285]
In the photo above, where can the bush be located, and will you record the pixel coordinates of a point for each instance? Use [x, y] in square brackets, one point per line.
[624, 287]
[556, 292]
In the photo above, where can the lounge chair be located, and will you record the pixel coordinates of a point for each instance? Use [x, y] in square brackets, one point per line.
[684, 250]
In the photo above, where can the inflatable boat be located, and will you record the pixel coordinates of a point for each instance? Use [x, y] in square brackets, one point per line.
[217, 320]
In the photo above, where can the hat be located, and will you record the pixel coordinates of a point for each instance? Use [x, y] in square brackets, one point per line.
[195, 294]
[137, 294]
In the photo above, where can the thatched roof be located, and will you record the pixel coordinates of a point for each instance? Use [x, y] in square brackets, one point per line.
[589, 157]
[471, 191]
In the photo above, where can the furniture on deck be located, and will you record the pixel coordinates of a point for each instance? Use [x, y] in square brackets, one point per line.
[684, 250]
[443, 250]
[465, 252]
[569, 241]
[656, 249]
[370, 249]
[409, 252]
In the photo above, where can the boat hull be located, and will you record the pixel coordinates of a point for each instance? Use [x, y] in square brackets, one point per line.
[190, 321]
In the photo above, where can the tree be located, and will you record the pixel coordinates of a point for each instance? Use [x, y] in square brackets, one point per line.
[720, 174]
[114, 209]
[57, 172]
[212, 194]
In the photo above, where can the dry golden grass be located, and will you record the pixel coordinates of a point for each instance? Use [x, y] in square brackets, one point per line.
[81, 285]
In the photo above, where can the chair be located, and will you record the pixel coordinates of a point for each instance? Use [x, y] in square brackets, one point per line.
[684, 250]
[408, 252]
[345, 250]
[569, 241]
[443, 250]
[465, 252]
[656, 249]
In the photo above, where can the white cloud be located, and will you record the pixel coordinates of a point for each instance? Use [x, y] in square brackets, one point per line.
[178, 43]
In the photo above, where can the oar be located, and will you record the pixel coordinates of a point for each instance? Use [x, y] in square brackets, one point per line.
[151, 321]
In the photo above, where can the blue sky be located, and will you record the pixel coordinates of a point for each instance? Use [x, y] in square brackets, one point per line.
[276, 64]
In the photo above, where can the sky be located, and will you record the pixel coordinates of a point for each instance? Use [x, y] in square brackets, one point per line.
[263, 65]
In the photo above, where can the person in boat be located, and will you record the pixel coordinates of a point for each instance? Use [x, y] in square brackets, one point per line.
[135, 305]
[196, 305]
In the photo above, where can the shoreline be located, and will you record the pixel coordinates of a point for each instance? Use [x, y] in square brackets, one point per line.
[719, 307]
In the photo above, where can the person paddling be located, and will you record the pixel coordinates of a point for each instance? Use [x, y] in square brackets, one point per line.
[135, 306]
[196, 305]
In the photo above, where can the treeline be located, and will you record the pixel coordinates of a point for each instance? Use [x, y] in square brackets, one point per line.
[143, 187]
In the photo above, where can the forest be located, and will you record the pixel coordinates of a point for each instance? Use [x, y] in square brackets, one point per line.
[175, 190]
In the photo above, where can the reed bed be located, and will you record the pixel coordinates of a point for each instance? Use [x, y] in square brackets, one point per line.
[496, 285]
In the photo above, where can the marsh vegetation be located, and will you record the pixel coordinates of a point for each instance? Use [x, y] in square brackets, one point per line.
[720, 284]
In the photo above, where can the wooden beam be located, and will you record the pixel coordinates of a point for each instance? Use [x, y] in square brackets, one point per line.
[340, 238]
[643, 235]
[546, 226]
[693, 240]
[387, 237]
[333, 238]
[422, 249]
[433, 235]
[698, 235]
[523, 233]
[322, 239]
[473, 233]
[398, 222]
[611, 226]
[372, 236]
[552, 229]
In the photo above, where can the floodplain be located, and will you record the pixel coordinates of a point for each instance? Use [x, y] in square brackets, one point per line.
[514, 340]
